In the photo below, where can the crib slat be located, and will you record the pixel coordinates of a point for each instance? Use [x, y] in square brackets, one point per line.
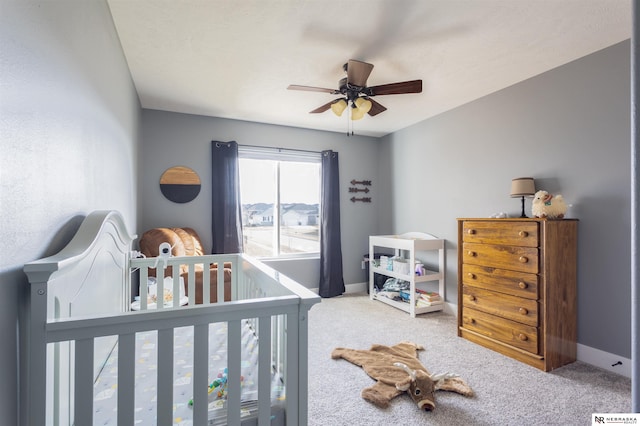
[206, 281]
[302, 345]
[83, 384]
[200, 365]
[279, 350]
[160, 285]
[234, 356]
[291, 364]
[234, 279]
[126, 378]
[165, 377]
[191, 284]
[220, 282]
[176, 287]
[143, 291]
[264, 371]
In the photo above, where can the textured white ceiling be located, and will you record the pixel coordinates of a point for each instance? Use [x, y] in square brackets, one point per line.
[235, 59]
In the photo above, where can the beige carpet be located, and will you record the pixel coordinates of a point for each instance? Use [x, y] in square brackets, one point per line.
[507, 392]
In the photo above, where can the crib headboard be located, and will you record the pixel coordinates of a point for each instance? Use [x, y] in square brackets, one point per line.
[89, 277]
[92, 267]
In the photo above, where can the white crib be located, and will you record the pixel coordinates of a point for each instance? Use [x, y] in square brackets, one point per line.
[77, 318]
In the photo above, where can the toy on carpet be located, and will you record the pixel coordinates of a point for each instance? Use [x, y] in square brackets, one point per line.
[218, 388]
[397, 369]
[545, 205]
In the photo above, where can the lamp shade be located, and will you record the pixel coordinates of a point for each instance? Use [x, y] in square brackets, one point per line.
[356, 114]
[338, 107]
[363, 104]
[523, 187]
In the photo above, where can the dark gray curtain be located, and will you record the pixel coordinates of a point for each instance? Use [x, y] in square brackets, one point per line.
[331, 279]
[226, 210]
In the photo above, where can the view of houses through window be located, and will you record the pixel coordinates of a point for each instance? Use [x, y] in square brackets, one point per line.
[280, 205]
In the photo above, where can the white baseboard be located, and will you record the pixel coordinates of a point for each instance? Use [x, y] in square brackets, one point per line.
[605, 360]
[596, 357]
[356, 287]
[348, 288]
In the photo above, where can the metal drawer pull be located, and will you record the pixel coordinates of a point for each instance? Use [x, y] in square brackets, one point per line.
[523, 311]
[523, 337]
[523, 234]
[471, 231]
[522, 285]
[523, 259]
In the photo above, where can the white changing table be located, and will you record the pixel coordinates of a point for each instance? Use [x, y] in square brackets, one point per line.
[405, 246]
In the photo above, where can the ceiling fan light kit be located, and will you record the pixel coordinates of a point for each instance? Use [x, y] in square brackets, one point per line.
[363, 104]
[356, 114]
[356, 93]
[338, 107]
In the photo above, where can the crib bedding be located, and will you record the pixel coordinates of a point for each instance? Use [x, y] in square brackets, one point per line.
[105, 386]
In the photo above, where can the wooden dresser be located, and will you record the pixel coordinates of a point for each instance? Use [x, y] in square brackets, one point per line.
[517, 288]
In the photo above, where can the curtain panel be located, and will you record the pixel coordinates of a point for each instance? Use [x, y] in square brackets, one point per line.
[331, 279]
[226, 210]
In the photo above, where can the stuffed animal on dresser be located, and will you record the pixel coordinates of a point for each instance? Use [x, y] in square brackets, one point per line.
[396, 370]
[545, 205]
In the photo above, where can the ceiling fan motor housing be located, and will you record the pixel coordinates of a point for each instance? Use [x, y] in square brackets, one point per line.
[350, 91]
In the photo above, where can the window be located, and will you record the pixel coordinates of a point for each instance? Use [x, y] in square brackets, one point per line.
[280, 195]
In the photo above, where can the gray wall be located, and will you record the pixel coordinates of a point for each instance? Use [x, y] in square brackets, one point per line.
[569, 128]
[68, 136]
[171, 139]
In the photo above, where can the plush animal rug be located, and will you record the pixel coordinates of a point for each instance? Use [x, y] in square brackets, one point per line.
[397, 369]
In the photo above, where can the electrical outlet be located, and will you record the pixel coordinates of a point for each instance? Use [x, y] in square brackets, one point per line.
[364, 264]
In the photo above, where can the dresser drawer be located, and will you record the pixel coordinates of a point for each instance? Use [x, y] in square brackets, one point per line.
[502, 305]
[524, 259]
[515, 283]
[510, 332]
[506, 233]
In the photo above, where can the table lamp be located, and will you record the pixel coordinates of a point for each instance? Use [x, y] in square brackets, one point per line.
[523, 187]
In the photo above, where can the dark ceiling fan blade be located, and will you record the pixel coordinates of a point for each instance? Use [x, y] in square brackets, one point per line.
[376, 108]
[312, 89]
[358, 72]
[413, 86]
[322, 108]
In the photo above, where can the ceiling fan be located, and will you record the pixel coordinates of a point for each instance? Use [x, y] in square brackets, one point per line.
[356, 94]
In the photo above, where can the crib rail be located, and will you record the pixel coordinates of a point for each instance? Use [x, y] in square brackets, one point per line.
[276, 306]
[84, 331]
[249, 280]
[206, 262]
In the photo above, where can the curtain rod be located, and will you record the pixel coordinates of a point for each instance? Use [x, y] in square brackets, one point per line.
[280, 149]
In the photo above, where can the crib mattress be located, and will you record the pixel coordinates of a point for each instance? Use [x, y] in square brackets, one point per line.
[105, 387]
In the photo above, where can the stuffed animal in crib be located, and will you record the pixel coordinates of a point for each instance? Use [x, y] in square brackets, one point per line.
[396, 370]
[218, 388]
[545, 205]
